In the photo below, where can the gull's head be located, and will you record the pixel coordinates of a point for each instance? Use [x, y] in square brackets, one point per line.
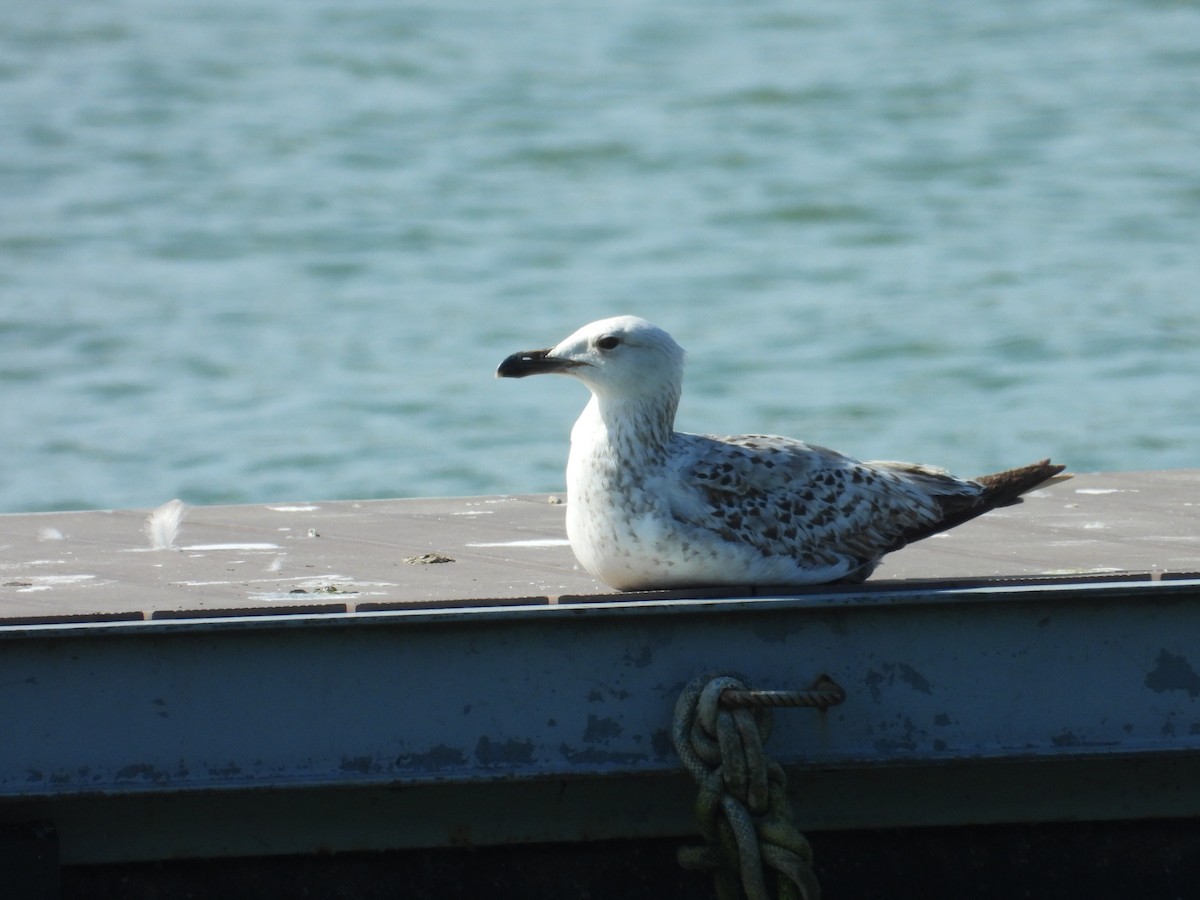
[619, 358]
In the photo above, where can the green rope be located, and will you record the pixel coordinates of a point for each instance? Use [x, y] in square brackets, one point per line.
[751, 845]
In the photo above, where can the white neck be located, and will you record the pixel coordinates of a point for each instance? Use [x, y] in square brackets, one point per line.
[640, 426]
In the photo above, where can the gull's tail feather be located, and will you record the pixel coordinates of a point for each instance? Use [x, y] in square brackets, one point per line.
[162, 525]
[1003, 488]
[999, 489]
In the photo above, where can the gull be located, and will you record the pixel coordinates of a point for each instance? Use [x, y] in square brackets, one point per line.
[649, 507]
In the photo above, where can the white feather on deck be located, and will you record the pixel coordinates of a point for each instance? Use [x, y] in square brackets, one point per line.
[162, 525]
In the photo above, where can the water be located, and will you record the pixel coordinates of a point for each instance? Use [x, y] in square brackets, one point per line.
[274, 251]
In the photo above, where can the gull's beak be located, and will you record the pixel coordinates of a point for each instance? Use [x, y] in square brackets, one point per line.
[534, 362]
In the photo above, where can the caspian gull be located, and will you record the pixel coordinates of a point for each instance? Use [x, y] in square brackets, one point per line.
[650, 507]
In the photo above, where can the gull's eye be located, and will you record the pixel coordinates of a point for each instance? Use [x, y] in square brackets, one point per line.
[608, 343]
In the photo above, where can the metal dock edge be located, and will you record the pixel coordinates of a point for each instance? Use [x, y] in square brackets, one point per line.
[264, 735]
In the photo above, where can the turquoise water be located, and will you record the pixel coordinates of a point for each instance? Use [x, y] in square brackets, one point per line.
[274, 251]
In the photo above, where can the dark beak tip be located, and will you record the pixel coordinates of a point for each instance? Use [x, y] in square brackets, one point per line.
[526, 362]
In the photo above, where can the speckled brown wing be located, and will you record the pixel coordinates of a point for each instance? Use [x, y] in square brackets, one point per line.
[817, 506]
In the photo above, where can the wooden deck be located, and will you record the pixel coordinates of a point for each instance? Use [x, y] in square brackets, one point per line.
[345, 556]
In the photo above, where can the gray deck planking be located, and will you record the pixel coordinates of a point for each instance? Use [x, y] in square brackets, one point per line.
[348, 556]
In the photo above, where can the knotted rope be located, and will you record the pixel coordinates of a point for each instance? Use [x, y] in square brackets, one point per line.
[743, 812]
